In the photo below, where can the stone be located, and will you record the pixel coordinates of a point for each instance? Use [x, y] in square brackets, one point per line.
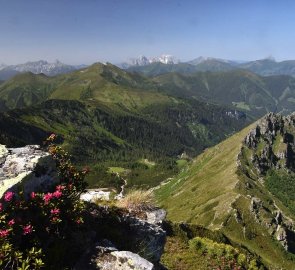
[92, 195]
[148, 237]
[123, 260]
[156, 216]
[28, 167]
[281, 236]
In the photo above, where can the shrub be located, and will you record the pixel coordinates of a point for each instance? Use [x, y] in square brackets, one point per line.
[30, 227]
[227, 256]
[242, 259]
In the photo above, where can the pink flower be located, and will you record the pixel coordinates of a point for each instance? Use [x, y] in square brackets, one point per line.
[55, 211]
[11, 222]
[1, 207]
[33, 195]
[27, 229]
[52, 136]
[55, 220]
[79, 221]
[47, 197]
[60, 187]
[4, 233]
[86, 170]
[57, 194]
[8, 196]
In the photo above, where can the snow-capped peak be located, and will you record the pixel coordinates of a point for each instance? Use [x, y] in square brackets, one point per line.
[165, 59]
[143, 60]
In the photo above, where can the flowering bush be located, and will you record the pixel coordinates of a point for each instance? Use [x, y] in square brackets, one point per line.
[29, 227]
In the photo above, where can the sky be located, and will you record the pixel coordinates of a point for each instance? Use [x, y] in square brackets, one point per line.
[87, 31]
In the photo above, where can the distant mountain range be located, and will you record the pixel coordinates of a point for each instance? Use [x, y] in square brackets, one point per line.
[154, 66]
[50, 69]
[160, 65]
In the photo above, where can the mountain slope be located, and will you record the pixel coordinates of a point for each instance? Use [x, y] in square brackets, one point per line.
[220, 192]
[24, 90]
[114, 87]
[268, 67]
[108, 84]
[242, 89]
[6, 74]
[99, 82]
[212, 174]
[107, 115]
[158, 68]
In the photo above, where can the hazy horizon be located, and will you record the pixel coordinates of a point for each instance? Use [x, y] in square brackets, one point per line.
[84, 32]
[128, 59]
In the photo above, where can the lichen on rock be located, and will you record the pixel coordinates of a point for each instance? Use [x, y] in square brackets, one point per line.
[29, 168]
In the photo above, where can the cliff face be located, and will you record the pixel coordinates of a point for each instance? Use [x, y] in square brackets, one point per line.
[28, 167]
[270, 147]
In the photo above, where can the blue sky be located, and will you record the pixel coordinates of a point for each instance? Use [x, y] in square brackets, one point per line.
[87, 31]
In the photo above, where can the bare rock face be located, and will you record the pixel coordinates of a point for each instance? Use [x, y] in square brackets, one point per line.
[272, 143]
[270, 146]
[281, 236]
[28, 167]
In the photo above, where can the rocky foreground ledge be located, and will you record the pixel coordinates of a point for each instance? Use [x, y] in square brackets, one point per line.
[112, 239]
[29, 167]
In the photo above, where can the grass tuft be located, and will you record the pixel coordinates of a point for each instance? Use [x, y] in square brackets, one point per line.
[137, 201]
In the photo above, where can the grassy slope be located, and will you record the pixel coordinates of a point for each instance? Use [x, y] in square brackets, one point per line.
[201, 192]
[210, 191]
[109, 85]
[25, 89]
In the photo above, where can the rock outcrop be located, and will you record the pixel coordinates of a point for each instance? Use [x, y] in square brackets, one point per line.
[132, 242]
[28, 167]
[271, 144]
[105, 256]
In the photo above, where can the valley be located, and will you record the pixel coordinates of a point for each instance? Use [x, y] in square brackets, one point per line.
[222, 170]
[108, 117]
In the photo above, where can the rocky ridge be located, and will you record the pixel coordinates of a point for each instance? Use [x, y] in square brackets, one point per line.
[269, 146]
[272, 142]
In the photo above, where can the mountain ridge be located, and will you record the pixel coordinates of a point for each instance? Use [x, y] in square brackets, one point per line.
[218, 191]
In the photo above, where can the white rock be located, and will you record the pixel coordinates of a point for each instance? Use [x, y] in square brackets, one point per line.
[18, 166]
[94, 195]
[155, 217]
[124, 260]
